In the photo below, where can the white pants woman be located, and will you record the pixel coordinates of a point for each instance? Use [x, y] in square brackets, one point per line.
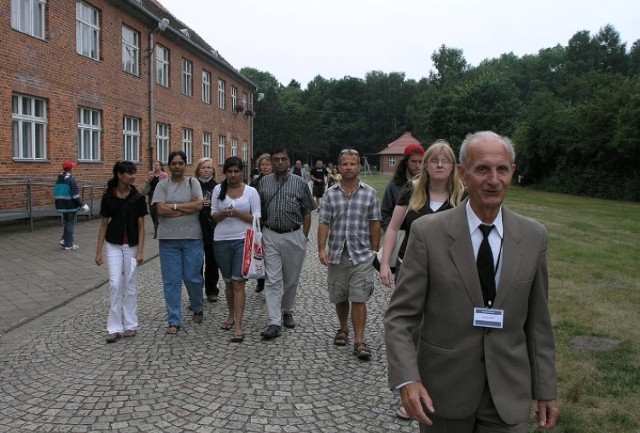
[123, 287]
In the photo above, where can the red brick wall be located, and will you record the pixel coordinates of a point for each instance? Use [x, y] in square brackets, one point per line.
[52, 70]
[384, 163]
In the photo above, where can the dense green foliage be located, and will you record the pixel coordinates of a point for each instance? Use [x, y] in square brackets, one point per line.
[572, 111]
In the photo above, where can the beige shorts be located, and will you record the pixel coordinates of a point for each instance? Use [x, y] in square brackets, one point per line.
[349, 282]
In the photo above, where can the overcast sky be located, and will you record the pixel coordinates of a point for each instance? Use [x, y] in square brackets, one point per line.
[294, 39]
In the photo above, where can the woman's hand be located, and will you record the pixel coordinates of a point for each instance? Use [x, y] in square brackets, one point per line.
[140, 256]
[99, 259]
[386, 276]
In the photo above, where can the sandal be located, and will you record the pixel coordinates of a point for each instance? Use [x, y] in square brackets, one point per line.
[128, 333]
[198, 317]
[361, 350]
[226, 325]
[239, 338]
[341, 337]
[172, 329]
[111, 338]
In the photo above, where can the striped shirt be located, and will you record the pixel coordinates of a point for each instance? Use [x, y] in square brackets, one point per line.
[284, 203]
[348, 221]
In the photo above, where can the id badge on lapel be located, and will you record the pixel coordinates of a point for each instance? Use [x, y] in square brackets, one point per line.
[488, 318]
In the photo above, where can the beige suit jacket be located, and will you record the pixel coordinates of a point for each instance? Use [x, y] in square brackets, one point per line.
[437, 289]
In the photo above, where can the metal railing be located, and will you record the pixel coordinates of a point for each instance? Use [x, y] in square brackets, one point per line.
[37, 201]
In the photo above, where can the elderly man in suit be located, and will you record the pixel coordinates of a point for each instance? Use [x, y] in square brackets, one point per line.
[485, 346]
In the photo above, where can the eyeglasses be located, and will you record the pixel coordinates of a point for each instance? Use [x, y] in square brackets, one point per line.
[439, 161]
[349, 152]
[283, 159]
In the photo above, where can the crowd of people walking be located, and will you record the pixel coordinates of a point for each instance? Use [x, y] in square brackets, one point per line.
[442, 311]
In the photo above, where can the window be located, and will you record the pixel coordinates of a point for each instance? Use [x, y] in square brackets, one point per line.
[29, 127]
[187, 77]
[162, 142]
[130, 51]
[234, 98]
[162, 65]
[131, 137]
[220, 149]
[88, 134]
[206, 145]
[206, 87]
[392, 161]
[245, 100]
[87, 30]
[234, 147]
[245, 150]
[27, 16]
[187, 144]
[221, 85]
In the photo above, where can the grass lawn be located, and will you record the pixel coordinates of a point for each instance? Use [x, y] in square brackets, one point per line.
[594, 291]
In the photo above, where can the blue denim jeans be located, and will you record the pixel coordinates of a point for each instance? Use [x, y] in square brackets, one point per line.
[229, 258]
[69, 219]
[181, 261]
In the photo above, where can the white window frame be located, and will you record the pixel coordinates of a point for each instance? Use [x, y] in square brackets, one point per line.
[163, 132]
[221, 143]
[221, 90]
[392, 161]
[234, 147]
[162, 65]
[245, 100]
[130, 51]
[187, 77]
[87, 31]
[89, 130]
[187, 144]
[206, 145]
[29, 128]
[131, 138]
[28, 16]
[206, 87]
[245, 150]
[234, 98]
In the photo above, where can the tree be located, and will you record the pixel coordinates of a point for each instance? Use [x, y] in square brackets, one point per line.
[450, 65]
[612, 54]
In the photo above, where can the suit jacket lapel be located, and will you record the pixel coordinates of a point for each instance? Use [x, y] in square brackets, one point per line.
[511, 255]
[461, 252]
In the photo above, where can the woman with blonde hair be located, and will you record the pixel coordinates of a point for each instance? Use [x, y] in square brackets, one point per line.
[435, 189]
[206, 175]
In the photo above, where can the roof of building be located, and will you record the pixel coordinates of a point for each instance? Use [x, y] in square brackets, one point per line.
[397, 147]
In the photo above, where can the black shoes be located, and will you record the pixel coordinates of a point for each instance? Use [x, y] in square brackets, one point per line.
[260, 285]
[272, 331]
[287, 321]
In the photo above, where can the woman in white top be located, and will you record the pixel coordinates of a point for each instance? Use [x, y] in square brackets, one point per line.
[234, 204]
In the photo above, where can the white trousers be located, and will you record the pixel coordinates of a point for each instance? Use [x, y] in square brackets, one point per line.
[123, 287]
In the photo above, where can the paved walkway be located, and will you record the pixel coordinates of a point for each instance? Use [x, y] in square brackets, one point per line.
[58, 375]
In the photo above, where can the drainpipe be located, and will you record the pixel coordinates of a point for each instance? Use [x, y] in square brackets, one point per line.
[162, 26]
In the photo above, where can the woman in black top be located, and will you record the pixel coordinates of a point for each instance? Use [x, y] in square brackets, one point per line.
[206, 175]
[122, 226]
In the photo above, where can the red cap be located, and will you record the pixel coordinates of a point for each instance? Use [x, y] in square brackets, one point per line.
[413, 149]
[68, 165]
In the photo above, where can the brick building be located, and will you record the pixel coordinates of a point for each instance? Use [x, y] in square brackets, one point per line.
[393, 152]
[76, 84]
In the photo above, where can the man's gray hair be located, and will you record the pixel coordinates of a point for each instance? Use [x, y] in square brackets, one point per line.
[485, 135]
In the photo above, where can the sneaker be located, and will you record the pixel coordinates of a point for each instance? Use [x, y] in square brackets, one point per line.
[272, 331]
[287, 321]
[212, 298]
[73, 247]
[61, 242]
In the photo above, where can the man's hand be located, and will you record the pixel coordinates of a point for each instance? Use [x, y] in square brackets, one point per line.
[548, 411]
[416, 402]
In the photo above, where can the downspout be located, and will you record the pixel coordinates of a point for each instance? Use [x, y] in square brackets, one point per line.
[152, 120]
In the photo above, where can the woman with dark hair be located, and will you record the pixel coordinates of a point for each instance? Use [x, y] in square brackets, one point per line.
[206, 175]
[179, 201]
[122, 212]
[265, 167]
[154, 176]
[234, 204]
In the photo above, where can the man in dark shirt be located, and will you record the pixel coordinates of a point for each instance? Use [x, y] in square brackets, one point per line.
[318, 175]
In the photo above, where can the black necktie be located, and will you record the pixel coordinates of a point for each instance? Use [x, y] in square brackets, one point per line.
[486, 268]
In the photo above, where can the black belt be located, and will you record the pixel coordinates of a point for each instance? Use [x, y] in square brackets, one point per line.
[281, 231]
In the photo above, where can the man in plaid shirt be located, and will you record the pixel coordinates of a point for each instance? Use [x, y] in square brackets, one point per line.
[350, 221]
